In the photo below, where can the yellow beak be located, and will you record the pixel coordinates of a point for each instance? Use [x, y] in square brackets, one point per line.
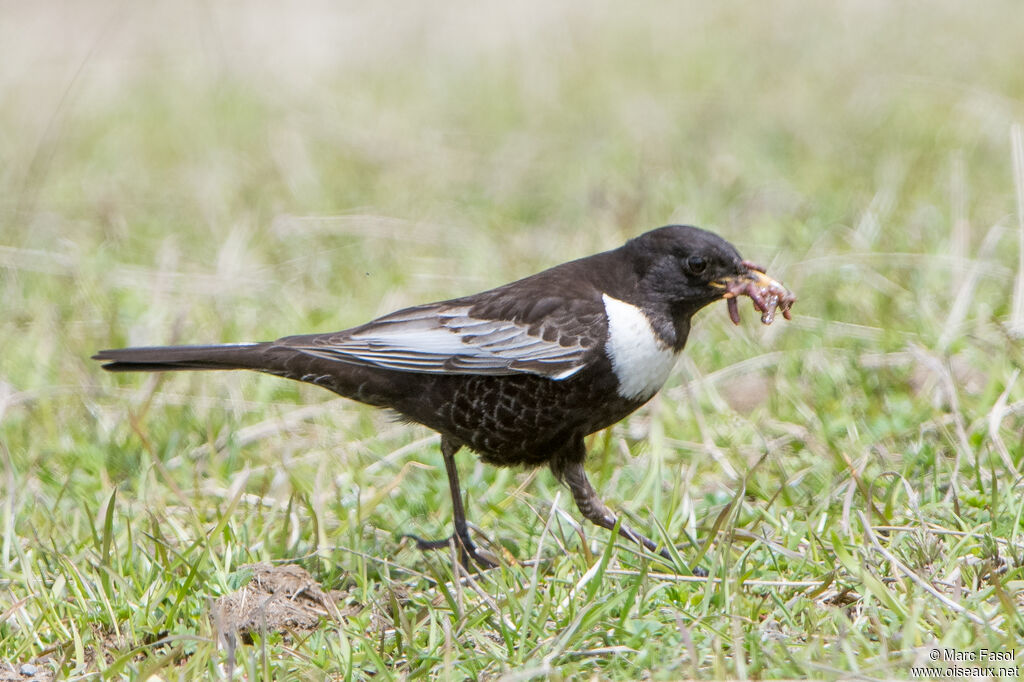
[756, 276]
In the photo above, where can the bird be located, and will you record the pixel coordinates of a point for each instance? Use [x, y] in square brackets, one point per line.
[522, 373]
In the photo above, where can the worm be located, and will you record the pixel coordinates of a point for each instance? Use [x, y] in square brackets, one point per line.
[767, 295]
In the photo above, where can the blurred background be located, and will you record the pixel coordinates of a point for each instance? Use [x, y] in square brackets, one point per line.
[237, 171]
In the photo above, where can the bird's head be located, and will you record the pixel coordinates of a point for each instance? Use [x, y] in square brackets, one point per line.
[687, 268]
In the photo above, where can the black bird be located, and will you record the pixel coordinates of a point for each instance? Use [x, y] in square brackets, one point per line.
[522, 373]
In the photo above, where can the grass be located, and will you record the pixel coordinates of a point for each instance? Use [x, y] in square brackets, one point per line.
[850, 480]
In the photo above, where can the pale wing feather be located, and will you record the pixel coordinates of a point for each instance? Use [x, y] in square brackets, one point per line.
[447, 340]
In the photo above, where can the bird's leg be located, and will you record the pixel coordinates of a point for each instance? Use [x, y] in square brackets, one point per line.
[592, 508]
[467, 550]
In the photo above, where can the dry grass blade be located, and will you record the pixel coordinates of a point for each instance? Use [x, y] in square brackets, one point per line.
[1016, 325]
[749, 582]
[921, 582]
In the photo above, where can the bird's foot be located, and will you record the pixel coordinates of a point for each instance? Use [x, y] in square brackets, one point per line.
[467, 549]
[696, 569]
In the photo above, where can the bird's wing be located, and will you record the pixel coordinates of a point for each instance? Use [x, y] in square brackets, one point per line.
[502, 335]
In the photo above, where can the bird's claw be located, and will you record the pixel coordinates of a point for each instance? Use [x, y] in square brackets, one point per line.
[467, 549]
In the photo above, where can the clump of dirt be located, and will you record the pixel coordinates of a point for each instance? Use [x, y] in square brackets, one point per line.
[278, 598]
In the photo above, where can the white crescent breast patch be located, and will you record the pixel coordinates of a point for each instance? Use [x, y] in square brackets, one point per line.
[641, 361]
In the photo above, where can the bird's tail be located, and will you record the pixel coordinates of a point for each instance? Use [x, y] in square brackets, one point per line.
[257, 356]
[370, 385]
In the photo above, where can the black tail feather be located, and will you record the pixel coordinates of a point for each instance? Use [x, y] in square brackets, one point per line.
[171, 358]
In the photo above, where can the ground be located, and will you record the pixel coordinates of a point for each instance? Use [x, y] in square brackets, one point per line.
[241, 171]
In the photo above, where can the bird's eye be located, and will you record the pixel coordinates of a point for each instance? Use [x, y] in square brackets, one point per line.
[696, 265]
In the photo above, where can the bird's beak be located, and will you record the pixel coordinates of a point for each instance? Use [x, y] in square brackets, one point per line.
[733, 285]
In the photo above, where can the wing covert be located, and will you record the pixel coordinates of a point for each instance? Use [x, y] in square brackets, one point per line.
[458, 337]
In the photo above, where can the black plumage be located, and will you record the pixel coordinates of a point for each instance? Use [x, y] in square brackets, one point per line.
[522, 373]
